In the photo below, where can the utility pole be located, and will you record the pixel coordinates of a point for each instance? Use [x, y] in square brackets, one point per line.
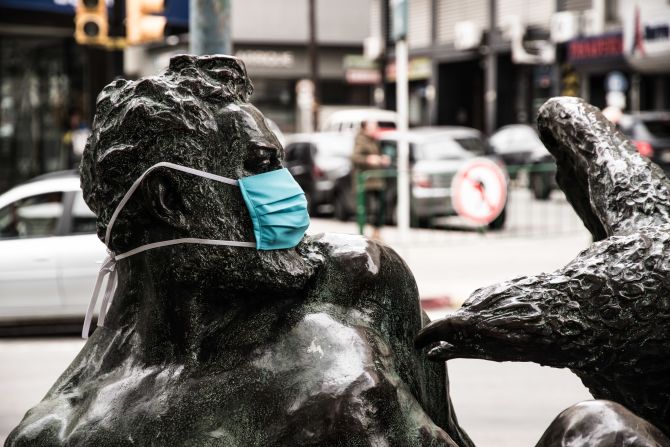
[491, 91]
[402, 100]
[314, 64]
[209, 27]
[117, 30]
[383, 58]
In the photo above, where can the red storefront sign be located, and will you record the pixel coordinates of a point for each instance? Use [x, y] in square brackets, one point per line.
[599, 47]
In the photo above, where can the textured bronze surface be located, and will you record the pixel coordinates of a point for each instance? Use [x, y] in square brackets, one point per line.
[601, 423]
[225, 346]
[605, 315]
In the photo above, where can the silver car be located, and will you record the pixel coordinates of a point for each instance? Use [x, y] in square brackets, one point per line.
[435, 158]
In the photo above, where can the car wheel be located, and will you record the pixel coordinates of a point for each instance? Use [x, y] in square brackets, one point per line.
[420, 221]
[541, 186]
[341, 206]
[499, 222]
[311, 205]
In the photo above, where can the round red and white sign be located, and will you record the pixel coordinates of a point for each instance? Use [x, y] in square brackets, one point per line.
[479, 191]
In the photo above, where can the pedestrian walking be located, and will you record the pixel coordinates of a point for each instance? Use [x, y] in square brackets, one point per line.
[367, 156]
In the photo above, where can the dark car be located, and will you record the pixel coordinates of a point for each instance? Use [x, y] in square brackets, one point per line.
[521, 149]
[517, 144]
[470, 139]
[317, 161]
[650, 132]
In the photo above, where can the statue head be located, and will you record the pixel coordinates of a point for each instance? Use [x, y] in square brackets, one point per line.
[195, 114]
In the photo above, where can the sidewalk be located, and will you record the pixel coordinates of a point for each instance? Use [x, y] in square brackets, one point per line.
[453, 264]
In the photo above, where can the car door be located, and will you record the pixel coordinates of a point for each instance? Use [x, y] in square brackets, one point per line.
[29, 229]
[300, 163]
[79, 255]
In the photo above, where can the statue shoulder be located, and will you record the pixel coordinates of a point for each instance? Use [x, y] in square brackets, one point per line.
[363, 257]
[358, 273]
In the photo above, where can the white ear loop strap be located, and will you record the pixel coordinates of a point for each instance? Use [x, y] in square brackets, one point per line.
[162, 164]
[109, 264]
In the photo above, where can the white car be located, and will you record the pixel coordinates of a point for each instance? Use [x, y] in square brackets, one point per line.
[349, 120]
[49, 252]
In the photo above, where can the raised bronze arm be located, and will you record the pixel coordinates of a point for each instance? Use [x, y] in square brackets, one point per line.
[605, 315]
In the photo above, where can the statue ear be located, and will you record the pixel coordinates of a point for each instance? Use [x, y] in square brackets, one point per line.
[163, 199]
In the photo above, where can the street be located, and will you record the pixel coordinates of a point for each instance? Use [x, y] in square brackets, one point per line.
[508, 404]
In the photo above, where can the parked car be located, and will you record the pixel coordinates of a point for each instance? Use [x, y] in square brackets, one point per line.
[650, 132]
[470, 139]
[49, 252]
[318, 161]
[521, 148]
[517, 144]
[350, 120]
[542, 175]
[435, 158]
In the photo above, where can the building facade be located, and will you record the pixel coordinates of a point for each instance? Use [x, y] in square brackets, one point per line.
[48, 83]
[540, 48]
[272, 39]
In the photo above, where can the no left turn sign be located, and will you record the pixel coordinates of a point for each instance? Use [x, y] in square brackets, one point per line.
[479, 191]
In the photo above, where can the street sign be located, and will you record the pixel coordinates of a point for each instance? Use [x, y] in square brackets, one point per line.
[616, 82]
[479, 191]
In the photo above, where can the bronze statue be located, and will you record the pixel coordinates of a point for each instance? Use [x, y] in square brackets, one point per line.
[231, 346]
[605, 315]
[601, 423]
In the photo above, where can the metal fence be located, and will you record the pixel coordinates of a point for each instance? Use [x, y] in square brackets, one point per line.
[535, 206]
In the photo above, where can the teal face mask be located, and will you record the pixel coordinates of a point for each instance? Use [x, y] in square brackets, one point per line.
[278, 209]
[276, 204]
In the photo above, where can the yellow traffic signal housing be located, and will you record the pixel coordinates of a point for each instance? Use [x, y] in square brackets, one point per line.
[141, 24]
[91, 22]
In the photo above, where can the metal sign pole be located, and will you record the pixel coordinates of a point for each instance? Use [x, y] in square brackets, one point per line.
[403, 145]
[402, 101]
[209, 27]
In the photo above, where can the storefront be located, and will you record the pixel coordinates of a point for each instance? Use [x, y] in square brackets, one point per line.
[641, 53]
[48, 85]
[421, 90]
[42, 89]
[275, 71]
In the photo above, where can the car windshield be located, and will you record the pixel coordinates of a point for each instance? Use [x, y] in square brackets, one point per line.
[336, 147]
[516, 138]
[658, 128]
[473, 144]
[440, 149]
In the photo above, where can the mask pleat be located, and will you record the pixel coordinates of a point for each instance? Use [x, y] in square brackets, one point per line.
[285, 205]
[278, 209]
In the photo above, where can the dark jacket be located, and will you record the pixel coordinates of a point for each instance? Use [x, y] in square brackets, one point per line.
[365, 145]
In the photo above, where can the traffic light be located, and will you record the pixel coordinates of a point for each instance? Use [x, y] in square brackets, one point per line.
[141, 24]
[91, 23]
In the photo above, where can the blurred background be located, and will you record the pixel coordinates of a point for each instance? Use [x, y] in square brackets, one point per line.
[470, 76]
[610, 52]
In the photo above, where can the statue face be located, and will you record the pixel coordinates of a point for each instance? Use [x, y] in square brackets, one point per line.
[246, 147]
[243, 146]
[195, 114]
